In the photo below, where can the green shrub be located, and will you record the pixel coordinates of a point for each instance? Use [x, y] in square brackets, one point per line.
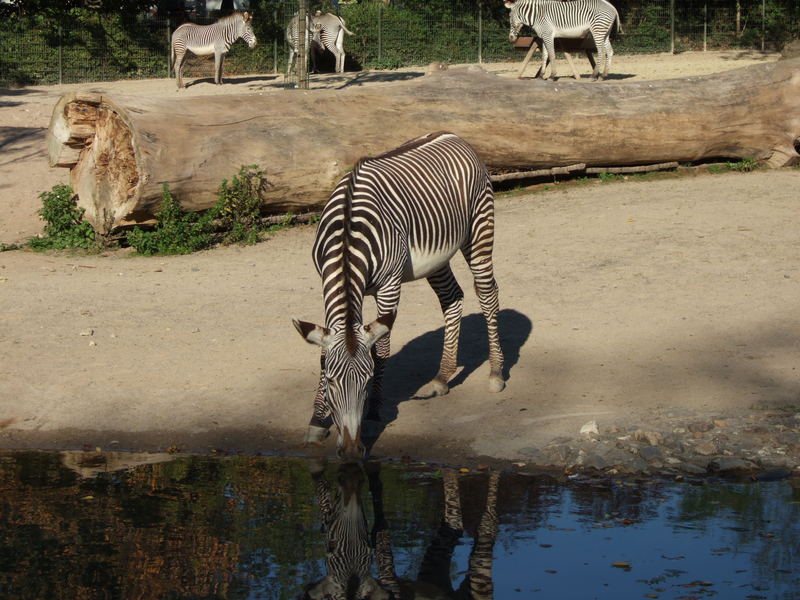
[239, 206]
[176, 232]
[65, 227]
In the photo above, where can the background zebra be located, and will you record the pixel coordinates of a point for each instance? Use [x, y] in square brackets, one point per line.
[293, 41]
[552, 19]
[216, 39]
[328, 31]
[398, 217]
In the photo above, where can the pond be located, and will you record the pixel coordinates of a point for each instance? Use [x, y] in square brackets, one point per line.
[118, 525]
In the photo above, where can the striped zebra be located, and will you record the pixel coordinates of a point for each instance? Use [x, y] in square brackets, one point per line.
[328, 31]
[350, 546]
[552, 19]
[349, 549]
[397, 217]
[216, 39]
[293, 41]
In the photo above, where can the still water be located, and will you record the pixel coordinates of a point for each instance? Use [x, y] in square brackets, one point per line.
[115, 525]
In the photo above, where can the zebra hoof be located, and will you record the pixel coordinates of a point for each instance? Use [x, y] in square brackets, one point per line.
[496, 384]
[434, 388]
[315, 434]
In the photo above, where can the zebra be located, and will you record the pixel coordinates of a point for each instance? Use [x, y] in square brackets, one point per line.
[350, 547]
[216, 39]
[348, 559]
[552, 19]
[328, 31]
[292, 39]
[394, 218]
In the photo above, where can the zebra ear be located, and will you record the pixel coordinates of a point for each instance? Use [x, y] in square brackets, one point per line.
[248, 16]
[379, 327]
[509, 4]
[313, 334]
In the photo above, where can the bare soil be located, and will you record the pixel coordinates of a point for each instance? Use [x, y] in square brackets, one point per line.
[665, 306]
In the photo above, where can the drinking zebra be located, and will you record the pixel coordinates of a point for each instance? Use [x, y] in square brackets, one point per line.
[552, 19]
[216, 39]
[397, 217]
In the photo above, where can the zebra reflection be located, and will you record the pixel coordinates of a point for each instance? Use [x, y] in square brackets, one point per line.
[350, 547]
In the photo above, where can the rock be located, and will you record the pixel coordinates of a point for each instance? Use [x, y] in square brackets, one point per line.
[651, 453]
[654, 438]
[701, 426]
[730, 464]
[591, 461]
[692, 468]
[87, 332]
[706, 448]
[590, 428]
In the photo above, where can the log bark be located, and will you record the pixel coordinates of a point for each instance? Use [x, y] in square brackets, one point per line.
[121, 150]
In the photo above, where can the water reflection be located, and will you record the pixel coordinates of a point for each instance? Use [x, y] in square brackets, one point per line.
[350, 548]
[118, 526]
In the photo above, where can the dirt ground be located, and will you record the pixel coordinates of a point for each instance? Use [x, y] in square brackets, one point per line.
[642, 306]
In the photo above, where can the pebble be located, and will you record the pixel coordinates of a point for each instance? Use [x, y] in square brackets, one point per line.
[590, 428]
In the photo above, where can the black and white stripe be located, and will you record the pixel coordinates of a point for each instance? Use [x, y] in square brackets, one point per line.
[216, 39]
[328, 32]
[398, 217]
[552, 19]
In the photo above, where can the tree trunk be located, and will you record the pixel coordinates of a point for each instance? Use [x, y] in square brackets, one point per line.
[121, 150]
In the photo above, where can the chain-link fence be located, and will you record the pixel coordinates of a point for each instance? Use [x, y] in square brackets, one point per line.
[92, 46]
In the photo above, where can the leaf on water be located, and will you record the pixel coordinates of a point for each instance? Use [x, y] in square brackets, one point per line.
[621, 564]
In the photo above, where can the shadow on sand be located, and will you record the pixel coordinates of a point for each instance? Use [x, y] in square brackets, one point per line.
[418, 361]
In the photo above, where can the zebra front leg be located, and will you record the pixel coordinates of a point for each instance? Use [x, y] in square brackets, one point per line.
[321, 421]
[451, 298]
[549, 55]
[380, 353]
[219, 60]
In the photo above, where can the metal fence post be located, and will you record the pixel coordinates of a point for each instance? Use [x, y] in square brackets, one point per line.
[302, 55]
[672, 26]
[480, 32]
[763, 22]
[169, 47]
[60, 56]
[705, 26]
[275, 44]
[380, 30]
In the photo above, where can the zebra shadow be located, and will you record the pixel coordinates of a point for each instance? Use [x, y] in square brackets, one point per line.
[418, 361]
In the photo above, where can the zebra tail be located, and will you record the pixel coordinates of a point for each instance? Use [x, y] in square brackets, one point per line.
[346, 30]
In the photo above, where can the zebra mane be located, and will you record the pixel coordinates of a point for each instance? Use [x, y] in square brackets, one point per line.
[234, 15]
[351, 342]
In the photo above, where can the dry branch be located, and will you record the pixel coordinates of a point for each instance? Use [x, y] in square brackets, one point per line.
[121, 150]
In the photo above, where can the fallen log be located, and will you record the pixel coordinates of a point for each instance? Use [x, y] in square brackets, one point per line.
[121, 150]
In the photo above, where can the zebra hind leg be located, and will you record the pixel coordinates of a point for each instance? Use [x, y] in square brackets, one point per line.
[178, 67]
[451, 298]
[219, 60]
[478, 254]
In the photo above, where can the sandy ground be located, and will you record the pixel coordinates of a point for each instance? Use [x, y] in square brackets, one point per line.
[626, 303]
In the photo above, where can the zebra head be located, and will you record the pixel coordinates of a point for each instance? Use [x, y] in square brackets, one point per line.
[516, 19]
[348, 370]
[245, 29]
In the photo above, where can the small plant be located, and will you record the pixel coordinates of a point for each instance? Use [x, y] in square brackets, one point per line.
[239, 205]
[746, 165]
[607, 177]
[176, 232]
[65, 227]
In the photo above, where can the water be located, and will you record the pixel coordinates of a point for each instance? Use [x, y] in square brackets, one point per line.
[248, 527]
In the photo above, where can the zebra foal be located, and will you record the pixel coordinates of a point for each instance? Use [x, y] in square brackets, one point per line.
[569, 19]
[394, 218]
[216, 39]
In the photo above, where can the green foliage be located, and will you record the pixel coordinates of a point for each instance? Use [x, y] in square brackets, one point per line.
[65, 227]
[176, 232]
[744, 165]
[606, 177]
[239, 206]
